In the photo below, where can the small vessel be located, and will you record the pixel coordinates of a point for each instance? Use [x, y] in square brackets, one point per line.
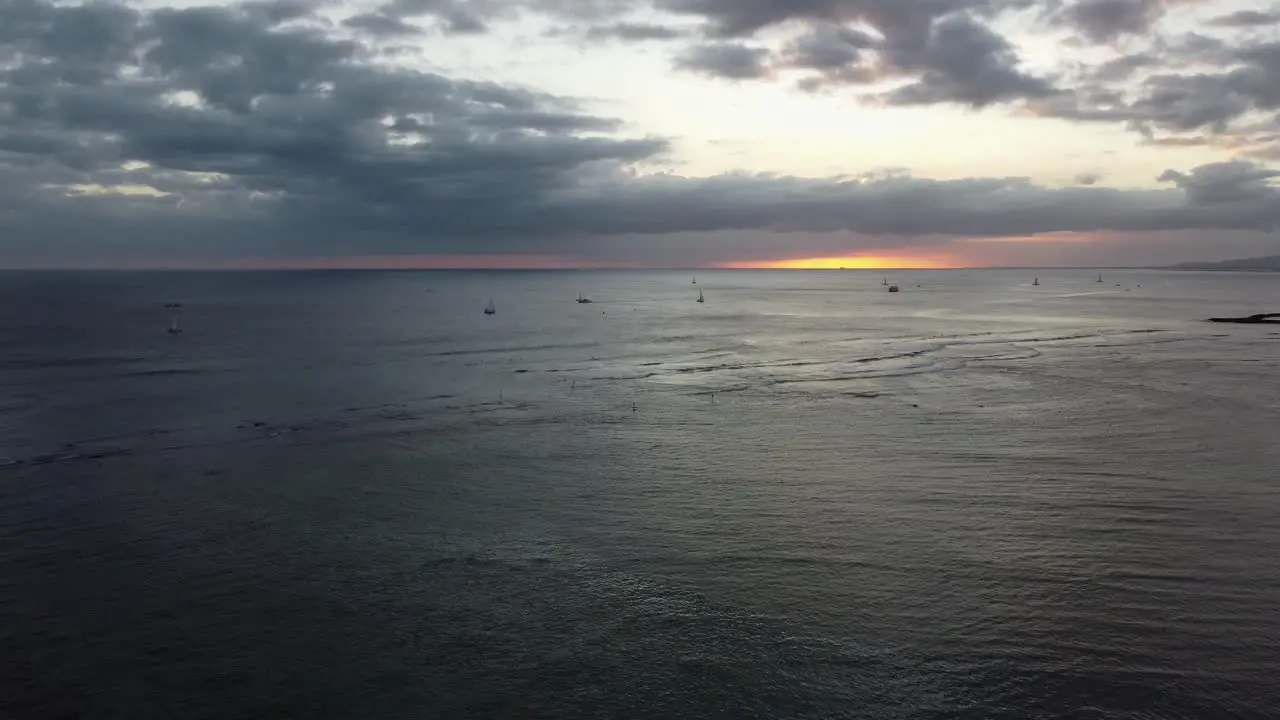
[893, 288]
[1099, 277]
[582, 300]
[700, 298]
[490, 309]
[694, 281]
[173, 317]
[1036, 281]
[884, 281]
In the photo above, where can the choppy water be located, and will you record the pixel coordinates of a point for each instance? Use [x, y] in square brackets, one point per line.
[348, 495]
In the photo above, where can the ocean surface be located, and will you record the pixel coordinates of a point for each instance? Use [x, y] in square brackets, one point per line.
[354, 495]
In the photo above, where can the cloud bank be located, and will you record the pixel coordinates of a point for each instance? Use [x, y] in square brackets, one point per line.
[287, 128]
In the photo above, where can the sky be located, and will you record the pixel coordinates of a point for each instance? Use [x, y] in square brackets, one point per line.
[638, 133]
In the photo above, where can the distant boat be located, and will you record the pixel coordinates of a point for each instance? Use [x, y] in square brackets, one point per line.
[490, 309]
[694, 281]
[1099, 277]
[583, 300]
[173, 317]
[1036, 281]
[700, 298]
[893, 288]
[884, 281]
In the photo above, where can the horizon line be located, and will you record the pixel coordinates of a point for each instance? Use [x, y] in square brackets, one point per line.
[567, 268]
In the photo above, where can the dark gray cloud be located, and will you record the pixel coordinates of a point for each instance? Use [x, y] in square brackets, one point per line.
[830, 47]
[731, 61]
[1105, 20]
[1188, 102]
[1122, 68]
[839, 55]
[965, 62]
[454, 16]
[265, 134]
[893, 18]
[381, 25]
[1226, 183]
[476, 16]
[634, 31]
[1247, 18]
[1192, 90]
[940, 49]
[1160, 54]
[1088, 178]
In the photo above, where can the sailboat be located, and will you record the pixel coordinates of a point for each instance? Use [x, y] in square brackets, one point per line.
[1036, 281]
[1099, 277]
[700, 298]
[490, 309]
[173, 318]
[884, 281]
[583, 300]
[694, 281]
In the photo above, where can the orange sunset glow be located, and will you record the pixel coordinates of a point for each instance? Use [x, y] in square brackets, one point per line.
[861, 262]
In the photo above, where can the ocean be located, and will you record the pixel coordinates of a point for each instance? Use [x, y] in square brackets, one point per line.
[355, 495]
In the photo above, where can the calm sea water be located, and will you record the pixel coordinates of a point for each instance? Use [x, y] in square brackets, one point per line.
[353, 495]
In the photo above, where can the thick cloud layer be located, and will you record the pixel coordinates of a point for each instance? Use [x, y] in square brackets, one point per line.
[268, 128]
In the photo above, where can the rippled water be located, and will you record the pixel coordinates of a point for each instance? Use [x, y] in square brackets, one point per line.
[353, 495]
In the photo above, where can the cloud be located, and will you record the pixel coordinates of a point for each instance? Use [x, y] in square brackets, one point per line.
[1246, 18]
[730, 61]
[941, 51]
[839, 55]
[1088, 178]
[1198, 87]
[454, 16]
[1227, 183]
[830, 47]
[965, 62]
[1106, 20]
[263, 129]
[1123, 67]
[893, 18]
[634, 31]
[381, 25]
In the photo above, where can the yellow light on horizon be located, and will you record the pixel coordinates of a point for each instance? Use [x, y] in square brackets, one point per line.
[859, 262]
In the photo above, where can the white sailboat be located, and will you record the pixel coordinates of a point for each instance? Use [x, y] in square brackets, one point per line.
[173, 317]
[491, 308]
[700, 298]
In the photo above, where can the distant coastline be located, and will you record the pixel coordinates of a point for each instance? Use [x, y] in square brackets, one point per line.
[1269, 263]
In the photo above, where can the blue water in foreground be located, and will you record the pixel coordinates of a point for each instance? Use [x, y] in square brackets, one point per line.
[353, 495]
